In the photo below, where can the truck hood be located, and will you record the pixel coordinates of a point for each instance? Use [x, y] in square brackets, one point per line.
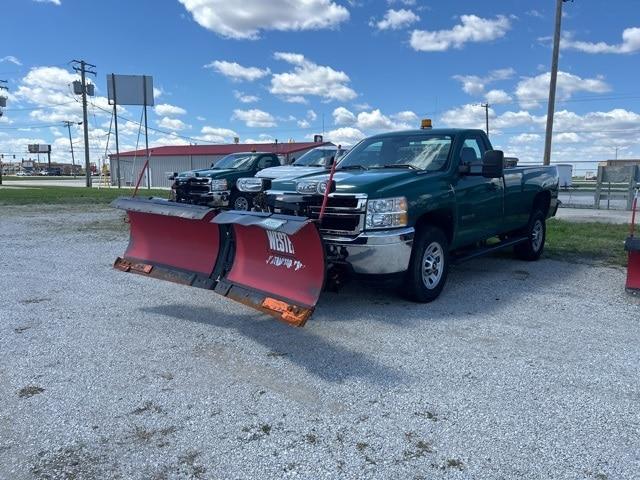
[288, 171]
[372, 182]
[209, 172]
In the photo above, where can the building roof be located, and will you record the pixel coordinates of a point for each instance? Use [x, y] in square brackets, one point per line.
[194, 150]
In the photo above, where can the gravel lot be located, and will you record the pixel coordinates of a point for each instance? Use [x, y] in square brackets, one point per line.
[520, 370]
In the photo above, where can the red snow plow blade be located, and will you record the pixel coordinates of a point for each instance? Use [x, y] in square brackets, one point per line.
[274, 263]
[170, 241]
[278, 266]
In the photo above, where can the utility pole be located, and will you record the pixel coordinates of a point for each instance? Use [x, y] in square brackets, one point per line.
[486, 115]
[82, 68]
[552, 83]
[3, 101]
[68, 124]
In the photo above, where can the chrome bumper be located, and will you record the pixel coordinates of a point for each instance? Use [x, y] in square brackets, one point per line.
[374, 253]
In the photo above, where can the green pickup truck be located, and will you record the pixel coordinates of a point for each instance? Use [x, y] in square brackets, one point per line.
[409, 204]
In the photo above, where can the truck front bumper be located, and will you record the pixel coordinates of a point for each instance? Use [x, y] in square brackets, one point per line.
[212, 199]
[374, 253]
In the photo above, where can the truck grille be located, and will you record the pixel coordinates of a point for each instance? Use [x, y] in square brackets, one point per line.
[344, 215]
[198, 185]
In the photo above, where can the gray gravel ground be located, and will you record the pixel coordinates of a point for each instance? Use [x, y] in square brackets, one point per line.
[520, 370]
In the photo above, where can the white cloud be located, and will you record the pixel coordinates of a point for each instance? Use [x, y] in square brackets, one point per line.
[343, 116]
[48, 90]
[245, 98]
[11, 59]
[165, 109]
[374, 120]
[534, 13]
[217, 135]
[254, 118]
[55, 2]
[475, 85]
[403, 2]
[167, 140]
[630, 43]
[246, 20]
[311, 115]
[308, 78]
[395, 20]
[497, 97]
[471, 29]
[262, 138]
[237, 72]
[304, 123]
[524, 138]
[530, 91]
[296, 99]
[174, 124]
[344, 136]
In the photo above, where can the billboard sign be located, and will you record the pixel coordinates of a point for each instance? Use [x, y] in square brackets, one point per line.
[39, 148]
[130, 89]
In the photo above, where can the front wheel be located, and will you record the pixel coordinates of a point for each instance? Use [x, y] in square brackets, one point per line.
[239, 201]
[536, 233]
[428, 267]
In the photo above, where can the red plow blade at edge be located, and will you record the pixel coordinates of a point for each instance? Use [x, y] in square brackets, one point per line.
[274, 263]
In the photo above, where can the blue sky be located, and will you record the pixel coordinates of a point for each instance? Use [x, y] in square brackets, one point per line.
[273, 70]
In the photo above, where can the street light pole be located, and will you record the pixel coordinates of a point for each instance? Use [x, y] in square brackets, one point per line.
[553, 82]
[73, 159]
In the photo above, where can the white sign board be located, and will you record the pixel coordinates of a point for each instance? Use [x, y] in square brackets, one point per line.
[130, 89]
[39, 148]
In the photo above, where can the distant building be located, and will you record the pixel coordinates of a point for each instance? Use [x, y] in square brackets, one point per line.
[180, 158]
[620, 163]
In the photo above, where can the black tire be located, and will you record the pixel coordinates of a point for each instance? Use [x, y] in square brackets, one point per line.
[536, 233]
[416, 286]
[240, 201]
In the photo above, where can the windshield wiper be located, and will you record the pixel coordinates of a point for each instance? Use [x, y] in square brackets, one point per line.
[352, 167]
[400, 165]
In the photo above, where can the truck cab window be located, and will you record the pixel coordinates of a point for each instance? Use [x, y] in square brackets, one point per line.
[471, 152]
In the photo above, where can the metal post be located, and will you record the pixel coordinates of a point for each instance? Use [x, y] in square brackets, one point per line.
[486, 115]
[146, 131]
[49, 159]
[115, 119]
[85, 123]
[552, 83]
[73, 158]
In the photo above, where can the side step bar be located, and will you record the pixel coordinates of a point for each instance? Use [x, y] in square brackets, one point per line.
[510, 242]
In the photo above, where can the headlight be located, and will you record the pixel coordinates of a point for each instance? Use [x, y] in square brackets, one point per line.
[217, 185]
[310, 187]
[387, 213]
[250, 184]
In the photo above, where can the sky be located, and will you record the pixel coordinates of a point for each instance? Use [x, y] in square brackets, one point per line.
[288, 69]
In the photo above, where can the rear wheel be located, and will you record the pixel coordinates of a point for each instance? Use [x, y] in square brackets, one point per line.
[536, 233]
[240, 201]
[428, 267]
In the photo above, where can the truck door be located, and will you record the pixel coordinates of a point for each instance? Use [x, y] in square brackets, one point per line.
[479, 200]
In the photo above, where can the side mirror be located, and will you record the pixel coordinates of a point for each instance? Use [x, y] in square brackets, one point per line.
[493, 164]
[172, 175]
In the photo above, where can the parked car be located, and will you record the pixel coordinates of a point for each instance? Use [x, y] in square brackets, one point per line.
[216, 186]
[312, 162]
[22, 174]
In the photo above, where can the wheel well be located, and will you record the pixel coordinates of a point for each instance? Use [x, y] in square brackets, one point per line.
[542, 201]
[442, 219]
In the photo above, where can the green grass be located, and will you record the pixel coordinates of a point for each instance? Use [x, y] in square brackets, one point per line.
[598, 243]
[69, 195]
[31, 178]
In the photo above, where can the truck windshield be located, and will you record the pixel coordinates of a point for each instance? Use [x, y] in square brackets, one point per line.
[427, 152]
[236, 161]
[318, 157]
